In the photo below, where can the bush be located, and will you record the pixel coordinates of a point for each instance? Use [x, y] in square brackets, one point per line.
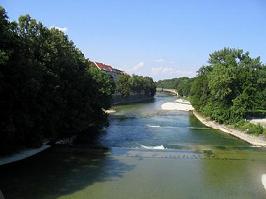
[250, 128]
[255, 129]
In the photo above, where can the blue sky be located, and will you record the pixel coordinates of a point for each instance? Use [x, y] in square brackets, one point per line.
[159, 38]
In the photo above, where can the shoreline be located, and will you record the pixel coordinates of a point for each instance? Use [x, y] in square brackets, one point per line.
[178, 105]
[261, 121]
[251, 139]
[184, 105]
[21, 155]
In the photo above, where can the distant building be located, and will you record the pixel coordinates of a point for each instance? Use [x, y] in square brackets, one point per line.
[114, 73]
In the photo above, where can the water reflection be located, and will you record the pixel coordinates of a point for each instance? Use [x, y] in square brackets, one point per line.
[58, 172]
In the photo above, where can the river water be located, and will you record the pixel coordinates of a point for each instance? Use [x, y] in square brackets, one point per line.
[147, 153]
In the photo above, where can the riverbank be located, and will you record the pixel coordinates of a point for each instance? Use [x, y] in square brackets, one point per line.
[261, 121]
[23, 154]
[184, 105]
[169, 91]
[251, 139]
[178, 105]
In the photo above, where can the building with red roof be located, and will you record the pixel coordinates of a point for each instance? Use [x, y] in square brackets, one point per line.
[114, 73]
[103, 67]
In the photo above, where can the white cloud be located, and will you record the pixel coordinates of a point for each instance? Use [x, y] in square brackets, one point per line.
[163, 70]
[63, 29]
[136, 68]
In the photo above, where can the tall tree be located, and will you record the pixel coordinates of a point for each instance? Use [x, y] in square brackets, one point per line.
[47, 87]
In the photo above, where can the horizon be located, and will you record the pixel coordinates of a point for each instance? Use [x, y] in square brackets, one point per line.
[163, 40]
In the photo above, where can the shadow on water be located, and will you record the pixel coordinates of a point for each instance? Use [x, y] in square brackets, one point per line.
[59, 171]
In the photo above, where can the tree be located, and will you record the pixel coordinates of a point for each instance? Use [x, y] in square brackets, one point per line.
[48, 90]
[233, 74]
[123, 85]
[135, 84]
[230, 87]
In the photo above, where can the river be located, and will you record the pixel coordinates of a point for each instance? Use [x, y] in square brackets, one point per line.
[145, 153]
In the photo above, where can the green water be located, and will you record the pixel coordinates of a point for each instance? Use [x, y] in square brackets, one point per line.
[197, 162]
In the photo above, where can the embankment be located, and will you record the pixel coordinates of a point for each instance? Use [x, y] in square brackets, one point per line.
[178, 105]
[254, 140]
[169, 91]
[23, 154]
[184, 105]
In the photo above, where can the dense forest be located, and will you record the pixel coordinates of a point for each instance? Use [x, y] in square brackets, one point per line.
[127, 85]
[48, 89]
[181, 84]
[230, 89]
[169, 83]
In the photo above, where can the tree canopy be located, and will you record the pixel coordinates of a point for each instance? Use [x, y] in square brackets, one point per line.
[231, 88]
[47, 87]
[135, 84]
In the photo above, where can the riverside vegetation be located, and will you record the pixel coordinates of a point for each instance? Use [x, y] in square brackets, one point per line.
[229, 90]
[48, 89]
[136, 84]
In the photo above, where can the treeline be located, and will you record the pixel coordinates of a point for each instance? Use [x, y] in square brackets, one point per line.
[127, 85]
[181, 84]
[230, 89]
[168, 83]
[47, 88]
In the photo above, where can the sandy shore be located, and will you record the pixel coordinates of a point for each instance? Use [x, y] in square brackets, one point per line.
[254, 140]
[184, 105]
[179, 105]
[262, 122]
[109, 111]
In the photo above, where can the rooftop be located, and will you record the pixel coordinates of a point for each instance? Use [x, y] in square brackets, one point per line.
[103, 66]
[108, 68]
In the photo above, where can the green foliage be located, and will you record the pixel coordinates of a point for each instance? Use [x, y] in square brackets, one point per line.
[199, 92]
[181, 84]
[123, 85]
[135, 84]
[249, 127]
[148, 86]
[231, 88]
[167, 83]
[47, 88]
